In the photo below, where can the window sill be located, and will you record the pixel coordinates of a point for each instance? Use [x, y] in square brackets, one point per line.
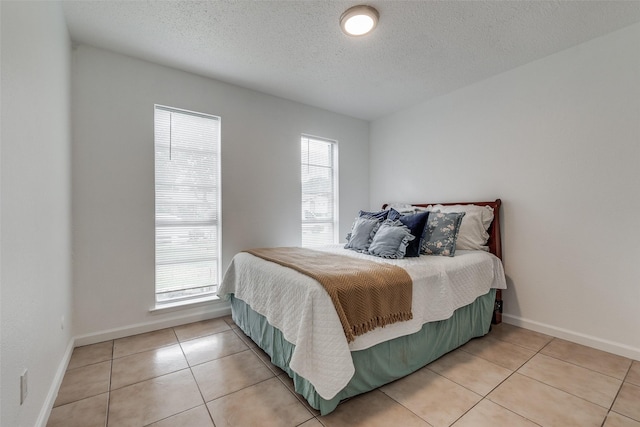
[190, 303]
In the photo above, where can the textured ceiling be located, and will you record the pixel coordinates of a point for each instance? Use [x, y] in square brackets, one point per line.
[295, 50]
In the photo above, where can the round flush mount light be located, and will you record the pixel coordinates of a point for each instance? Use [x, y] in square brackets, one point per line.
[359, 20]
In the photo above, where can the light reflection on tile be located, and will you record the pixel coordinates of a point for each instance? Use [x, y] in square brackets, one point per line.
[142, 342]
[146, 365]
[200, 329]
[212, 347]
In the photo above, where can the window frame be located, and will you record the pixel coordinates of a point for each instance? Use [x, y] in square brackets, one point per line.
[216, 145]
[335, 185]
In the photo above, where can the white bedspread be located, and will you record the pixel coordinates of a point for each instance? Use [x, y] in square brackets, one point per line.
[302, 310]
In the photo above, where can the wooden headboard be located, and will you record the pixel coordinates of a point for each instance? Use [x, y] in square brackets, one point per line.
[495, 241]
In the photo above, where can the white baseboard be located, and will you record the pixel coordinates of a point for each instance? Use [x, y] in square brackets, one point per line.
[45, 412]
[576, 337]
[218, 310]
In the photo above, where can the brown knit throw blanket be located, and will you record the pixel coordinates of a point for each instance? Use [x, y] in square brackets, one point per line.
[366, 294]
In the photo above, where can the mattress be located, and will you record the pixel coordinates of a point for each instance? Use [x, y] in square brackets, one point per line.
[301, 310]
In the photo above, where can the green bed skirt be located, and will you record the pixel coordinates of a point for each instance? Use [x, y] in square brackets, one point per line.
[377, 365]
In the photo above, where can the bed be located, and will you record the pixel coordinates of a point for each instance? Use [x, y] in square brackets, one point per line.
[292, 318]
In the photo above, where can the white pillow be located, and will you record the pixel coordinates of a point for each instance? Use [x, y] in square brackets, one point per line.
[403, 208]
[473, 233]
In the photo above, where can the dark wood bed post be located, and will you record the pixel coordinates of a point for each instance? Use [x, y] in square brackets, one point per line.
[496, 238]
[495, 243]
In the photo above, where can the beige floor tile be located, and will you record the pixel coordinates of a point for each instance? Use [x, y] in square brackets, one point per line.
[228, 374]
[267, 361]
[266, 404]
[212, 347]
[153, 400]
[288, 382]
[472, 372]
[90, 354]
[146, 365]
[587, 357]
[501, 353]
[311, 423]
[633, 376]
[488, 414]
[229, 320]
[546, 405]
[582, 382]
[617, 420]
[248, 341]
[628, 401]
[432, 397]
[84, 382]
[143, 342]
[200, 329]
[519, 336]
[373, 409]
[89, 412]
[196, 417]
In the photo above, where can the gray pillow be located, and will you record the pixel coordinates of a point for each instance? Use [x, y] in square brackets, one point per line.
[362, 233]
[441, 233]
[391, 240]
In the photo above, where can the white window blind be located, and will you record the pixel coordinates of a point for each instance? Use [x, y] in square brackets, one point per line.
[187, 218]
[319, 191]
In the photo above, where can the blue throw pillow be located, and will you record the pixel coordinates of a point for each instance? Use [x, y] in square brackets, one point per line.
[362, 233]
[417, 225]
[441, 233]
[393, 214]
[391, 240]
[380, 215]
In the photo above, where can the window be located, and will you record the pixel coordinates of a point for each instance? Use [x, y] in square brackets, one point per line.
[187, 195]
[319, 191]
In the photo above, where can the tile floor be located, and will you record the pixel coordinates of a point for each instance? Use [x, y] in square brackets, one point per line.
[210, 374]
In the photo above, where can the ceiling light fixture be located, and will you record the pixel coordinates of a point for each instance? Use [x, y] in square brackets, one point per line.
[359, 20]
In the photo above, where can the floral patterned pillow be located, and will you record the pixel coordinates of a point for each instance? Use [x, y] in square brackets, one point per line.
[441, 233]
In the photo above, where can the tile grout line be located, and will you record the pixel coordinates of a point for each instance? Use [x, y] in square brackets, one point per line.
[587, 368]
[106, 418]
[609, 408]
[300, 400]
[192, 375]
